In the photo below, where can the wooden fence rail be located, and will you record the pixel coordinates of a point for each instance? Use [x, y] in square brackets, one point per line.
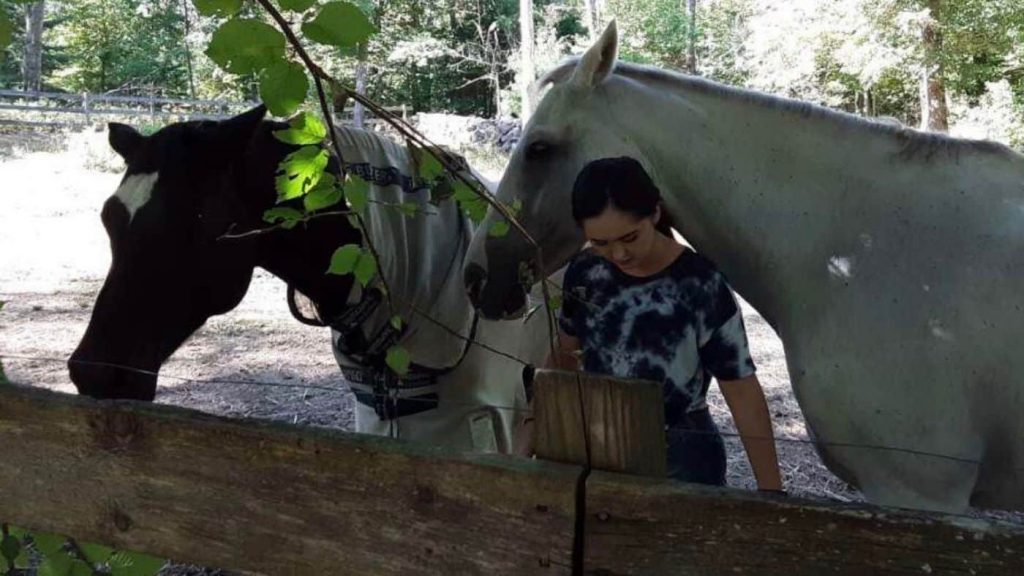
[279, 499]
[85, 108]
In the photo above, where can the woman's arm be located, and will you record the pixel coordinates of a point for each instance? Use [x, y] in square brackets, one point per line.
[564, 358]
[750, 412]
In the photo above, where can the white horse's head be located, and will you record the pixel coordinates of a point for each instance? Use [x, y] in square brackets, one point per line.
[573, 125]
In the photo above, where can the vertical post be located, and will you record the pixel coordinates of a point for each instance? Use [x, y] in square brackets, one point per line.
[527, 72]
[607, 423]
[691, 55]
[152, 108]
[85, 105]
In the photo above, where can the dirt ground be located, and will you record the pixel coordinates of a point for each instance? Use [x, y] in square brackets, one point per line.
[53, 258]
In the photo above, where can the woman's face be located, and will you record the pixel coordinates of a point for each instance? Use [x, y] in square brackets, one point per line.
[625, 240]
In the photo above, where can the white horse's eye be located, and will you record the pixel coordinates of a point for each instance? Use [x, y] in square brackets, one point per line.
[537, 150]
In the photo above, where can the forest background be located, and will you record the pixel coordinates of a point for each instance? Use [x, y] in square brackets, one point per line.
[943, 65]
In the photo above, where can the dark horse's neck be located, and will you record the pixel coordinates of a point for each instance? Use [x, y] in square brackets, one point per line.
[299, 256]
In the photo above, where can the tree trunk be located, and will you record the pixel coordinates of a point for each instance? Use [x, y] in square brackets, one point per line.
[527, 71]
[188, 51]
[691, 56]
[358, 111]
[32, 71]
[590, 18]
[934, 113]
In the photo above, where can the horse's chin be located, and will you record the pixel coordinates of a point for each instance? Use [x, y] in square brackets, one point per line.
[105, 382]
[515, 314]
[510, 307]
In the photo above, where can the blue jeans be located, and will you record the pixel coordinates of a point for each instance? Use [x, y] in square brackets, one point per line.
[696, 452]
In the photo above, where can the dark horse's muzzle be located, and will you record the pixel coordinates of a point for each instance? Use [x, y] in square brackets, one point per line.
[498, 298]
[105, 380]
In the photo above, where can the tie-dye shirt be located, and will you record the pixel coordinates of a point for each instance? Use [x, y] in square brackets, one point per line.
[680, 326]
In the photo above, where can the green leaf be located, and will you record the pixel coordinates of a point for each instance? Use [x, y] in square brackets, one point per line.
[441, 190]
[396, 322]
[299, 172]
[398, 360]
[499, 228]
[287, 217]
[339, 24]
[463, 192]
[555, 302]
[304, 129]
[324, 195]
[58, 564]
[516, 207]
[283, 87]
[6, 31]
[471, 202]
[408, 209]
[430, 168]
[10, 548]
[125, 563]
[296, 5]
[475, 209]
[222, 8]
[79, 568]
[344, 259]
[95, 553]
[366, 268]
[246, 46]
[47, 544]
[357, 193]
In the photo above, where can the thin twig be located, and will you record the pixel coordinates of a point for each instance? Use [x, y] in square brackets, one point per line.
[283, 225]
[411, 133]
[329, 118]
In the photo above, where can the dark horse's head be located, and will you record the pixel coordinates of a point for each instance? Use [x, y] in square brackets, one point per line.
[186, 186]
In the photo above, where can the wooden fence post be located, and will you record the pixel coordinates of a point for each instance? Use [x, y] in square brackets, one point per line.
[85, 105]
[620, 422]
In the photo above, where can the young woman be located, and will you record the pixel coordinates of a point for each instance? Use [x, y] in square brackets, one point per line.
[638, 304]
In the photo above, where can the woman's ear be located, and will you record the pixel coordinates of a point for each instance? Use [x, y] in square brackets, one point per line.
[657, 214]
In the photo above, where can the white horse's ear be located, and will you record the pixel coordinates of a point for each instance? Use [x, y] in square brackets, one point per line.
[599, 61]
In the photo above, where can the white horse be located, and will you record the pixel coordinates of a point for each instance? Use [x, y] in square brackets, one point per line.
[191, 183]
[890, 262]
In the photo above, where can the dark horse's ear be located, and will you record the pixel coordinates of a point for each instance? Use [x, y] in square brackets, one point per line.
[124, 139]
[234, 133]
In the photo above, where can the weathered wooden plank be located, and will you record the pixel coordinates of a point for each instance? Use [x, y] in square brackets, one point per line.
[625, 421]
[646, 526]
[273, 498]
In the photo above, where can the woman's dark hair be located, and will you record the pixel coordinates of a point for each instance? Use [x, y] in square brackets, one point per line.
[621, 182]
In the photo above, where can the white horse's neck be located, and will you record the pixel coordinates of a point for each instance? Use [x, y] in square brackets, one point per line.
[773, 190]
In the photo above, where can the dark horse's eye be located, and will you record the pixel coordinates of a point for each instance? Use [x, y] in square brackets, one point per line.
[537, 150]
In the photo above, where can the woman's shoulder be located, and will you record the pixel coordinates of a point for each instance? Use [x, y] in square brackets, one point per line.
[692, 265]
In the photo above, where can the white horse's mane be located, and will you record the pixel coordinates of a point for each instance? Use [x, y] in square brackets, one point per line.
[914, 143]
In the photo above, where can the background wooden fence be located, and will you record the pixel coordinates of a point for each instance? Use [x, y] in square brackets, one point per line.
[279, 499]
[67, 109]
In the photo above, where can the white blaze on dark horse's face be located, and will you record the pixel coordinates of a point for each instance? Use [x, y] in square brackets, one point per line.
[169, 272]
[559, 140]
